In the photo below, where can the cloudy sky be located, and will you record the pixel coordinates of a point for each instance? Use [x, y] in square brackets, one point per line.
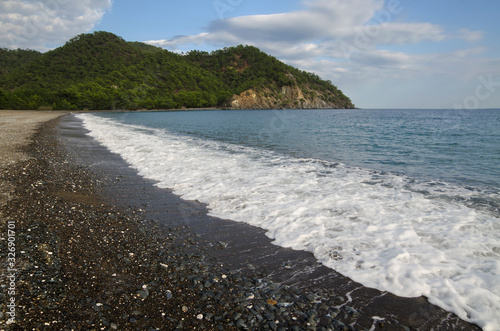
[382, 54]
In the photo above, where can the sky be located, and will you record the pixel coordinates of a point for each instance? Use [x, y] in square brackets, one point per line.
[380, 53]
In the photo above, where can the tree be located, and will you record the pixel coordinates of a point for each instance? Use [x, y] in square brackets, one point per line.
[3, 100]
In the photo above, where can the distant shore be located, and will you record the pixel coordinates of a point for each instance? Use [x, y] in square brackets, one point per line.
[99, 247]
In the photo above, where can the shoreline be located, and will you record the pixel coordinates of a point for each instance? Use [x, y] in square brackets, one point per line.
[105, 248]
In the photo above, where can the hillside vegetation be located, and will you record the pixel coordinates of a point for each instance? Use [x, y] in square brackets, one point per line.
[13, 59]
[101, 71]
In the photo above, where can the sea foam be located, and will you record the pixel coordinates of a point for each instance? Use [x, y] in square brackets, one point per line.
[383, 230]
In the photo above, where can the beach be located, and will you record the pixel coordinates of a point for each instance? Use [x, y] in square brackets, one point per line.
[99, 247]
[16, 127]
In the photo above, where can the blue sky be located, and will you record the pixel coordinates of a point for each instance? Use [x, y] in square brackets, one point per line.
[382, 54]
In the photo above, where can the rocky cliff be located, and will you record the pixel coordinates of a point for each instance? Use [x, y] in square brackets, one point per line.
[260, 81]
[290, 97]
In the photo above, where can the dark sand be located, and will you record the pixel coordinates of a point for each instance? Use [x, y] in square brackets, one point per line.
[99, 247]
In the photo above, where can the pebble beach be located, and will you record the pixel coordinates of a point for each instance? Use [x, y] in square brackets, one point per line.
[96, 247]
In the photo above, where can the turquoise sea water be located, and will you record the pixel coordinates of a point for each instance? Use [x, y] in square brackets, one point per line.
[450, 145]
[407, 201]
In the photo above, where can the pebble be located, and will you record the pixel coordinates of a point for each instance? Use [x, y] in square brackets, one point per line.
[272, 302]
[241, 324]
[143, 294]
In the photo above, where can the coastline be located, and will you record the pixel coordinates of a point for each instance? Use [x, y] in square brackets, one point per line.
[104, 247]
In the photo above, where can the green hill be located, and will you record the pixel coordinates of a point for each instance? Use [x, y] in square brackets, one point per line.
[102, 71]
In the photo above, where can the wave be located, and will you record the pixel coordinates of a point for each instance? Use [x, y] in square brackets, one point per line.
[383, 230]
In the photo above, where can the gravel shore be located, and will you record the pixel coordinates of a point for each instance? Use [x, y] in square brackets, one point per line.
[16, 128]
[85, 261]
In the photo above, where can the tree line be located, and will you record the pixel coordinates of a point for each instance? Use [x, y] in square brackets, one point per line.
[101, 71]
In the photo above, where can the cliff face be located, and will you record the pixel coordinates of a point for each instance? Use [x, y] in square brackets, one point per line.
[290, 97]
[257, 80]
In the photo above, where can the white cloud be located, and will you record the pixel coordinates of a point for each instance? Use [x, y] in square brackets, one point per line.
[321, 19]
[325, 28]
[326, 20]
[43, 23]
[408, 33]
[470, 35]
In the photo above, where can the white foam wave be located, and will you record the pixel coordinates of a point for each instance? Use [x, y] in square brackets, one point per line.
[371, 227]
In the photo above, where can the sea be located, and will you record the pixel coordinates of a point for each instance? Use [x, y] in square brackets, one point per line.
[405, 201]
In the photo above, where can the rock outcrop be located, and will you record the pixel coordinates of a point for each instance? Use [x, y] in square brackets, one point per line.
[290, 97]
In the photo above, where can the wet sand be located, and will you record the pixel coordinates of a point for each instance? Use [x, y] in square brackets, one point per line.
[99, 247]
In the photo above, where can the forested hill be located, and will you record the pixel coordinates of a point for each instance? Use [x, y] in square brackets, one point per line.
[101, 71]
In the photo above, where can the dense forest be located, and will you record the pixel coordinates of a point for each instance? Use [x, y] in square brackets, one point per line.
[101, 71]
